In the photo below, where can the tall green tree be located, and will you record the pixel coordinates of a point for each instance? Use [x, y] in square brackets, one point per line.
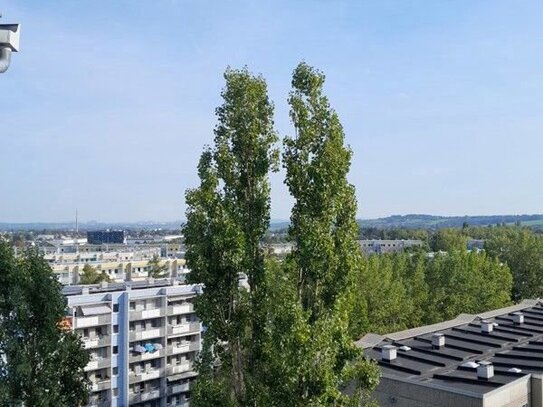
[42, 363]
[522, 250]
[326, 254]
[227, 216]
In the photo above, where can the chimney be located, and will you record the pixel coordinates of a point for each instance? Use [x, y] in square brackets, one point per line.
[518, 318]
[487, 327]
[438, 340]
[388, 352]
[485, 370]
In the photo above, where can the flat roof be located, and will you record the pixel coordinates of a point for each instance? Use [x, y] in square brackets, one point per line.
[71, 290]
[510, 347]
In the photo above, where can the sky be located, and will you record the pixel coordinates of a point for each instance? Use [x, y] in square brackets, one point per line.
[108, 104]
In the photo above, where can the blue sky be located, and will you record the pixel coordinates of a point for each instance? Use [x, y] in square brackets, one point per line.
[108, 104]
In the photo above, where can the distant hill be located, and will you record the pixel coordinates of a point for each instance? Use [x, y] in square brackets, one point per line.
[395, 221]
[84, 226]
[436, 222]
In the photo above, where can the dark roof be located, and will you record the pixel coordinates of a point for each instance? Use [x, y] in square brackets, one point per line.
[509, 346]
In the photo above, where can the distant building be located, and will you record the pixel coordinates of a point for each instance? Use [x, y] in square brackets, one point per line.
[130, 264]
[476, 244]
[387, 246]
[494, 359]
[143, 338]
[106, 237]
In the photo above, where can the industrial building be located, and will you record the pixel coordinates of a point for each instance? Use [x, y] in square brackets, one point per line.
[106, 237]
[494, 359]
[143, 338]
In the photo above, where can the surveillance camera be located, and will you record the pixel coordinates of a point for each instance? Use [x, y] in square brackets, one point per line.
[9, 42]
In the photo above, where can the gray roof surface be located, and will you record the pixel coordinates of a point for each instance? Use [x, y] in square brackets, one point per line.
[508, 346]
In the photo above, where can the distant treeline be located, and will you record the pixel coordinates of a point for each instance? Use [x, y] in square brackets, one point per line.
[406, 290]
[439, 222]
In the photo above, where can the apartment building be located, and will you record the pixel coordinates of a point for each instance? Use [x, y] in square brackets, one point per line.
[119, 265]
[494, 359]
[143, 337]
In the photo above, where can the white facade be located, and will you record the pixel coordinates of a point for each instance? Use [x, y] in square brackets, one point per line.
[143, 338]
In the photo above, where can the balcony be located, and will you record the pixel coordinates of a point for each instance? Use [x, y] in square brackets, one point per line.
[99, 403]
[147, 314]
[94, 320]
[146, 334]
[183, 367]
[184, 348]
[147, 356]
[179, 388]
[146, 395]
[148, 375]
[180, 403]
[98, 342]
[101, 385]
[180, 309]
[184, 328]
[98, 364]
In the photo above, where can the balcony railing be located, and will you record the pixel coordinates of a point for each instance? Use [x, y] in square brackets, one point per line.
[98, 364]
[146, 395]
[94, 320]
[146, 334]
[184, 328]
[101, 385]
[96, 342]
[184, 348]
[151, 374]
[179, 388]
[180, 309]
[147, 356]
[181, 403]
[184, 367]
[147, 314]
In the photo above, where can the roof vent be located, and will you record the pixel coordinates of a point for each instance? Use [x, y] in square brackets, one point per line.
[518, 318]
[485, 370]
[389, 352]
[405, 348]
[515, 370]
[487, 327]
[438, 340]
[471, 364]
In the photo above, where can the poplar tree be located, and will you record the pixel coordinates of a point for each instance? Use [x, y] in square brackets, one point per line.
[41, 363]
[326, 256]
[227, 216]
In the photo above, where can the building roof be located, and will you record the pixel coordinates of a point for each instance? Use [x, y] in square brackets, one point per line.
[514, 349]
[127, 285]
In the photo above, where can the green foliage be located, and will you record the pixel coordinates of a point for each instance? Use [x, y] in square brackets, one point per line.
[449, 240]
[227, 216]
[322, 267]
[156, 269]
[400, 291]
[91, 276]
[42, 364]
[522, 251]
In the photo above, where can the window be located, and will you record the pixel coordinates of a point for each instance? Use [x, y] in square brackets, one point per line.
[115, 350]
[115, 329]
[115, 307]
[115, 370]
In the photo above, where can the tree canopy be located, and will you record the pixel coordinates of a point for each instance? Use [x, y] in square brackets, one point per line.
[42, 363]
